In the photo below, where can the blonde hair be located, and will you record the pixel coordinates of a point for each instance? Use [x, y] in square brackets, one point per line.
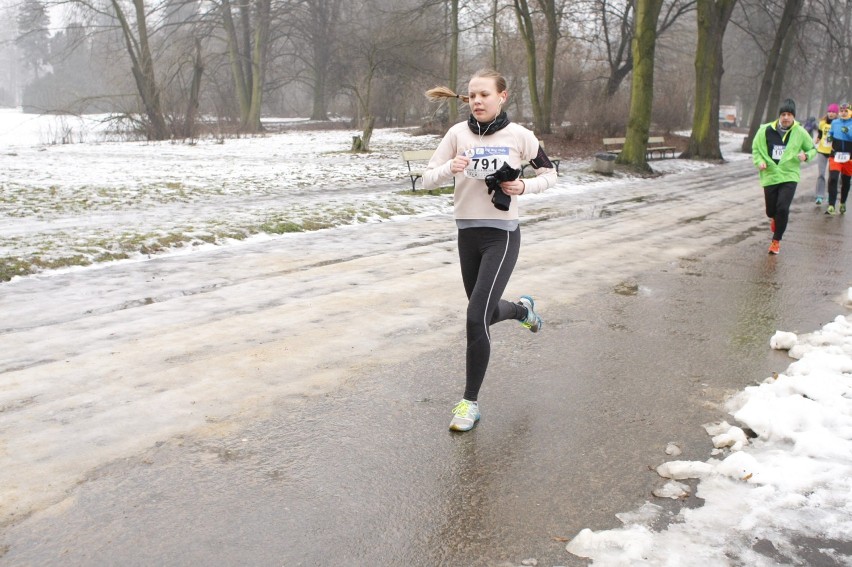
[435, 94]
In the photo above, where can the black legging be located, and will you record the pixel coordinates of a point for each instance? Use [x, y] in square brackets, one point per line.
[832, 187]
[778, 200]
[487, 257]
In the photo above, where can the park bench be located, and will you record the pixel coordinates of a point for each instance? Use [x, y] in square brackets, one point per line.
[416, 160]
[656, 147]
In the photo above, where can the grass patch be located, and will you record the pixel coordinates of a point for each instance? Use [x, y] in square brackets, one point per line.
[317, 224]
[447, 190]
[111, 256]
[11, 267]
[280, 227]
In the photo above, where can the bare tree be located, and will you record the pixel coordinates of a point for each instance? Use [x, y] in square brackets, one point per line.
[248, 41]
[551, 11]
[454, 54]
[791, 10]
[377, 51]
[142, 65]
[616, 25]
[318, 24]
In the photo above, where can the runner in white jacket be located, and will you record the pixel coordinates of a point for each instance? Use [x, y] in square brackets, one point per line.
[489, 235]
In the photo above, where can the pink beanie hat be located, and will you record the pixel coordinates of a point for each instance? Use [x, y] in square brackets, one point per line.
[833, 107]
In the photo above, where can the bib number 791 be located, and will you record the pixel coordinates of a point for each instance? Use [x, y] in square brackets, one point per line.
[485, 164]
[485, 161]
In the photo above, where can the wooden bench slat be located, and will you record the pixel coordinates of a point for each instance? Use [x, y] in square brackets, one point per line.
[417, 155]
[650, 151]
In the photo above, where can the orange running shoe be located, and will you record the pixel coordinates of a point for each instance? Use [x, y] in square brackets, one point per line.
[772, 225]
[775, 247]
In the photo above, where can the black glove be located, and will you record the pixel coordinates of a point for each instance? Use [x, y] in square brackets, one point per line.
[506, 173]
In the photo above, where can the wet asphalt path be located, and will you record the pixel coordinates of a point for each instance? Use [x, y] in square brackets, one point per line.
[658, 306]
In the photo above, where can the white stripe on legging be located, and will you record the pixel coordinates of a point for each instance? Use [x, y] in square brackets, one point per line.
[493, 283]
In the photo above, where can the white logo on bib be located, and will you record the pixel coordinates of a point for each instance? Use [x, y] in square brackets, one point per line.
[485, 161]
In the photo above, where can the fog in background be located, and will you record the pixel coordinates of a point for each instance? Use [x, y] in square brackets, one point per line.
[225, 62]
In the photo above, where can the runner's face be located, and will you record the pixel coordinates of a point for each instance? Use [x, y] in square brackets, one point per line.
[485, 102]
[786, 119]
[831, 115]
[844, 113]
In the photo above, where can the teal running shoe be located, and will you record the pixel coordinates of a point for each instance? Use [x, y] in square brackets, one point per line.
[533, 322]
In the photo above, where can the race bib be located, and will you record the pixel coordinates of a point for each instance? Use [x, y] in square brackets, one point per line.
[777, 152]
[841, 157]
[485, 161]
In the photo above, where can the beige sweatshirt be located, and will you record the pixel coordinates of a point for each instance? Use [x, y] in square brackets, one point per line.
[513, 144]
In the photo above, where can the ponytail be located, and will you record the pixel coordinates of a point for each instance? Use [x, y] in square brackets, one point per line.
[437, 93]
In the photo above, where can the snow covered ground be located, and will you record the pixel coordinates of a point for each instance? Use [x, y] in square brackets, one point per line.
[783, 472]
[95, 200]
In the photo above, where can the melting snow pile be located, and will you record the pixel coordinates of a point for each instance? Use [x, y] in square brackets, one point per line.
[778, 488]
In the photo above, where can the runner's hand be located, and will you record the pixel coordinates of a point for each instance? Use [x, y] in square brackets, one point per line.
[515, 187]
[459, 163]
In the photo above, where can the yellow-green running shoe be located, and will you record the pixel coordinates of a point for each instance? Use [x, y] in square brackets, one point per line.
[465, 416]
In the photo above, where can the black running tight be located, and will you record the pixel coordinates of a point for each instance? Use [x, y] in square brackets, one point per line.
[833, 176]
[778, 200]
[487, 257]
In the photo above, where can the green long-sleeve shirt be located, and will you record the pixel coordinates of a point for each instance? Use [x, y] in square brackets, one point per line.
[788, 167]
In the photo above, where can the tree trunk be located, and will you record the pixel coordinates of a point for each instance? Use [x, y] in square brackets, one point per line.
[620, 58]
[552, 18]
[713, 17]
[245, 28]
[616, 76]
[526, 26]
[248, 58]
[258, 65]
[495, 56]
[319, 111]
[362, 143]
[774, 100]
[322, 19]
[142, 65]
[619, 47]
[454, 58]
[240, 85]
[642, 93]
[194, 92]
[791, 10]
